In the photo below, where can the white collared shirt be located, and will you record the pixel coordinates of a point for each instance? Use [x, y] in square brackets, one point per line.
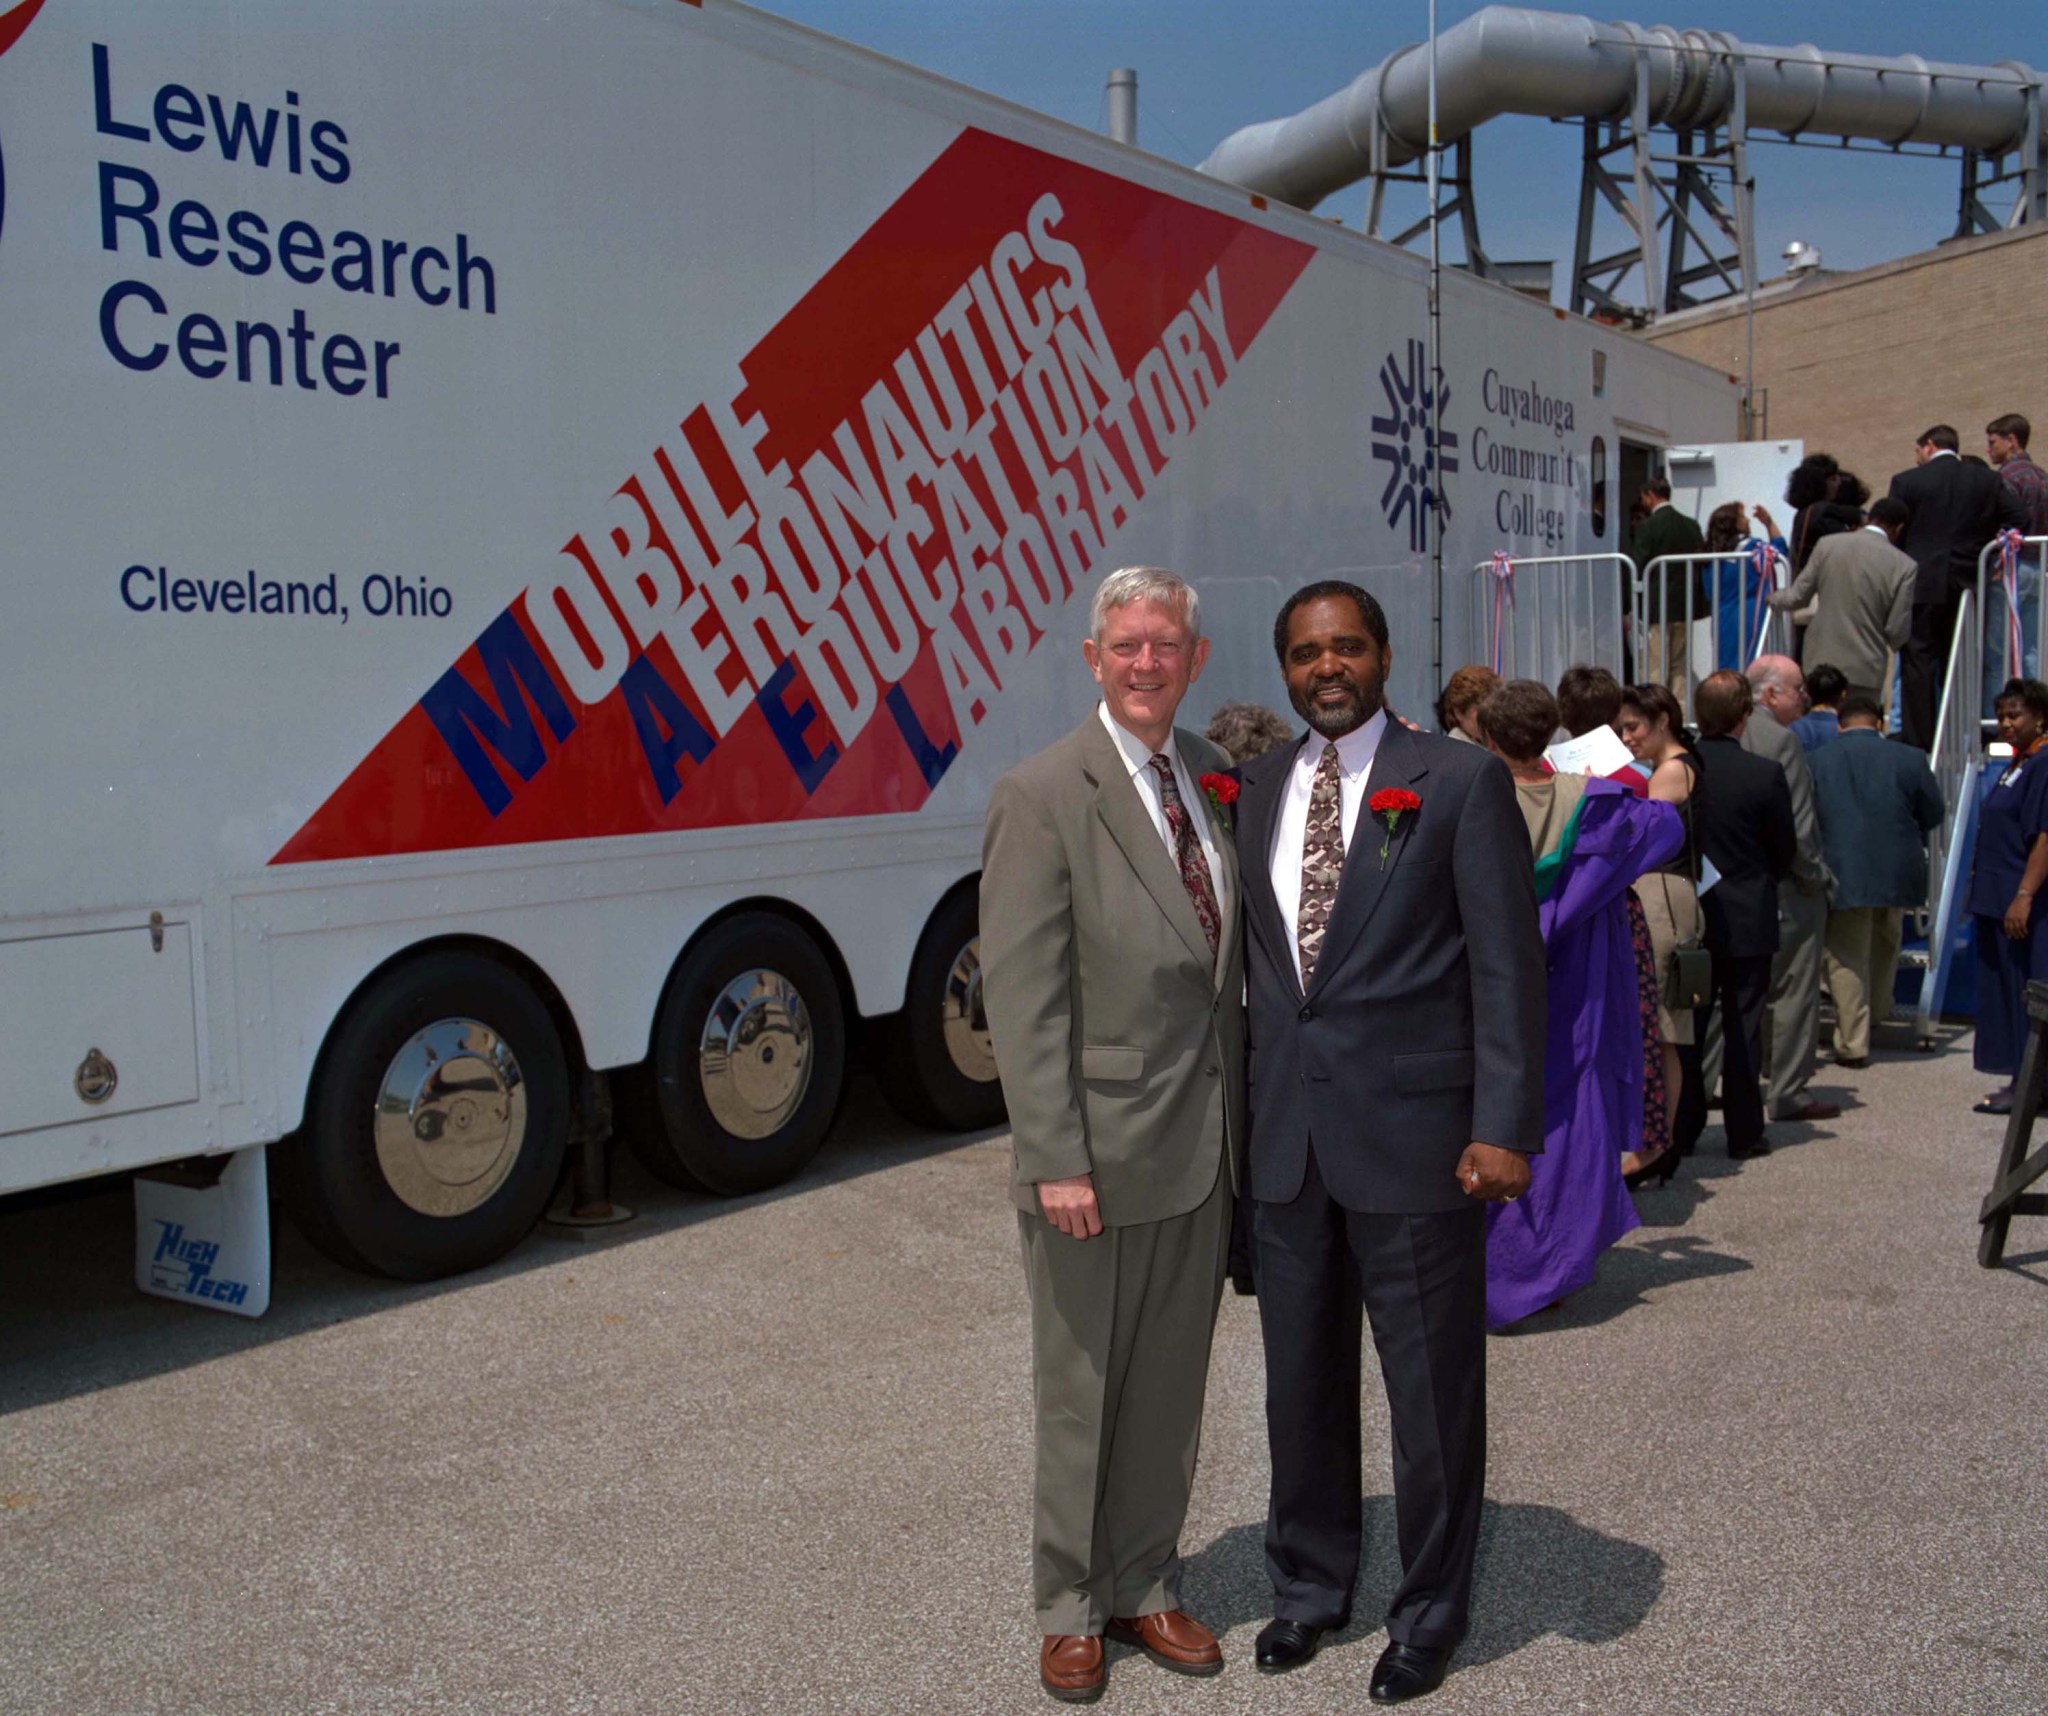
[1355, 752]
[1146, 779]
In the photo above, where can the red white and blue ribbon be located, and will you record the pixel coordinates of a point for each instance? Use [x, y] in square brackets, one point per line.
[1503, 569]
[2007, 573]
[1763, 559]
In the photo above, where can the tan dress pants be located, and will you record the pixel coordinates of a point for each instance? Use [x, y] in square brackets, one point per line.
[1120, 1332]
[1862, 964]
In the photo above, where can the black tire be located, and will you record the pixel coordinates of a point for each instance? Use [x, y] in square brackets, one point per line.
[340, 1190]
[637, 1122]
[722, 1151]
[948, 1085]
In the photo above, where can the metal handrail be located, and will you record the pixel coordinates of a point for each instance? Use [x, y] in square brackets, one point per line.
[1507, 651]
[1776, 638]
[2013, 669]
[1957, 751]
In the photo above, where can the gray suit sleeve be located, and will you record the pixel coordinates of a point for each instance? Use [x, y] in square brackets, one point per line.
[1799, 592]
[1810, 870]
[1495, 877]
[1027, 934]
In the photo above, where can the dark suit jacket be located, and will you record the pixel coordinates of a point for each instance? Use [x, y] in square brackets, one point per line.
[1423, 1028]
[1956, 509]
[1745, 828]
[1877, 801]
[1669, 531]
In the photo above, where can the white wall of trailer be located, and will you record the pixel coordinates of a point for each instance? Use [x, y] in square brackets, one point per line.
[658, 191]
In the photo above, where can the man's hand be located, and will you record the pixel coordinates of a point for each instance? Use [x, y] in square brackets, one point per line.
[1070, 1205]
[1489, 1172]
[2019, 916]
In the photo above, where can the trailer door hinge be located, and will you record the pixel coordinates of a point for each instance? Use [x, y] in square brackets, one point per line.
[156, 932]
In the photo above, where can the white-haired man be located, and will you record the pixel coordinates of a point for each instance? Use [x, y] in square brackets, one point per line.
[1113, 972]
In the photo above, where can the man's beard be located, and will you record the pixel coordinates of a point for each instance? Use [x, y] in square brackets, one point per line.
[1334, 721]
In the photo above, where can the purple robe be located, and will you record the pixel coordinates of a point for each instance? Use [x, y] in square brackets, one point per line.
[1547, 1243]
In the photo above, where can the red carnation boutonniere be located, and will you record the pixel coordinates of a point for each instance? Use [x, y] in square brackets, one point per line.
[1390, 804]
[1222, 794]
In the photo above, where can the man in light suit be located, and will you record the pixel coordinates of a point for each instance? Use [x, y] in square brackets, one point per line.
[1113, 971]
[1865, 586]
[1792, 1025]
[1397, 1017]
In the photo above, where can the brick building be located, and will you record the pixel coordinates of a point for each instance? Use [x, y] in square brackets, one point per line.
[1858, 364]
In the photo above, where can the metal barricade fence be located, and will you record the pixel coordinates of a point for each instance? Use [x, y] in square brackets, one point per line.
[2010, 564]
[1958, 751]
[1669, 646]
[1549, 612]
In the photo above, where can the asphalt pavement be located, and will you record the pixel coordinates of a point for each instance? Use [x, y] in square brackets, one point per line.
[773, 1456]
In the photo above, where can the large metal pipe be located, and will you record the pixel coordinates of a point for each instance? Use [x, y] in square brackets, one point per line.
[1555, 65]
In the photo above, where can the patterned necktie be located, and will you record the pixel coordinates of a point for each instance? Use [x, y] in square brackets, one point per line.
[1322, 860]
[1187, 854]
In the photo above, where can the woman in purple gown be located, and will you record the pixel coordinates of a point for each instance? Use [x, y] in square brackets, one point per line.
[1590, 839]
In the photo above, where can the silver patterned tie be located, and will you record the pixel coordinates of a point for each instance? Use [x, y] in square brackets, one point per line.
[1322, 860]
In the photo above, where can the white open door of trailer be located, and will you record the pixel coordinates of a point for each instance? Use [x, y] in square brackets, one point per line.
[1704, 476]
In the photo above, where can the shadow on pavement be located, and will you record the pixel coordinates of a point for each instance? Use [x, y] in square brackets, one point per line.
[1627, 1272]
[1540, 1572]
[72, 1322]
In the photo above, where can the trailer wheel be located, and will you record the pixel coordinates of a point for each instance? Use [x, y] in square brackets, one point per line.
[936, 1064]
[749, 1056]
[437, 1127]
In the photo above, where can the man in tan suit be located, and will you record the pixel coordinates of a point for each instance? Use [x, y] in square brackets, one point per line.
[1113, 971]
[1864, 584]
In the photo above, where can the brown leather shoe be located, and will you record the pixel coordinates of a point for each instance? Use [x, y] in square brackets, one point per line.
[1070, 1667]
[1173, 1641]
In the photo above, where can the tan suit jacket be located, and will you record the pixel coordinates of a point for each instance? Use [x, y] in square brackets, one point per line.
[1120, 1042]
[1865, 586]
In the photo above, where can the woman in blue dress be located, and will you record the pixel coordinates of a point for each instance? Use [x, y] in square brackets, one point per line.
[2010, 870]
[1739, 611]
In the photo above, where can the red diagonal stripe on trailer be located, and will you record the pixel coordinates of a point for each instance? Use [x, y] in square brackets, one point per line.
[1146, 254]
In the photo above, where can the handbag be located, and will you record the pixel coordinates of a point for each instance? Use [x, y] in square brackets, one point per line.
[1689, 979]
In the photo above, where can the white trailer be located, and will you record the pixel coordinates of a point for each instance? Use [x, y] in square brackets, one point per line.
[531, 527]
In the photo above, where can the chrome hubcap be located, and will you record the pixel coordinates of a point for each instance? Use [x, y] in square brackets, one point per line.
[966, 1017]
[451, 1117]
[755, 1056]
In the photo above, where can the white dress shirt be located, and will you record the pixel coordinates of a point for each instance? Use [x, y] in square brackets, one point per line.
[1146, 778]
[1355, 752]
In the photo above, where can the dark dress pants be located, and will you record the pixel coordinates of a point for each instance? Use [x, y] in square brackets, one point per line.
[1742, 990]
[1921, 666]
[1421, 1279]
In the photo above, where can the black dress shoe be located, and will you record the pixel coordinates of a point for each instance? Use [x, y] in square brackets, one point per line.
[1286, 1644]
[1244, 1286]
[1748, 1152]
[1406, 1671]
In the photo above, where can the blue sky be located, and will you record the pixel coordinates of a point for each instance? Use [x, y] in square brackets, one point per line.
[1206, 67]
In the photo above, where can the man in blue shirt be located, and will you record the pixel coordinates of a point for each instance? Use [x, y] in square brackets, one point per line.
[1825, 685]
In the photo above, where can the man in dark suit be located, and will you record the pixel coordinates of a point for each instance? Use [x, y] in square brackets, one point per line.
[1878, 802]
[1397, 1028]
[1744, 823]
[1953, 510]
[1669, 618]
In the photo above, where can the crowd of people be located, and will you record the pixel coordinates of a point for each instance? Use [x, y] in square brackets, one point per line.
[1390, 1024]
[1872, 582]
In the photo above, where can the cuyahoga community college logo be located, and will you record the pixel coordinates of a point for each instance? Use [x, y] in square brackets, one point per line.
[1402, 439]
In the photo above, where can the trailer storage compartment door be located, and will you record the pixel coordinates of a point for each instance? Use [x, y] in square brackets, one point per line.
[98, 1023]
